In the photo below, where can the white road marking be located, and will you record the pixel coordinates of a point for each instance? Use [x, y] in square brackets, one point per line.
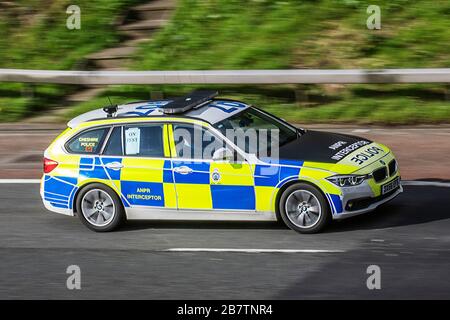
[361, 130]
[377, 240]
[426, 183]
[14, 181]
[252, 250]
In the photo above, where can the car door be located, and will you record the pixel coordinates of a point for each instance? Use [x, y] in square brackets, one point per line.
[144, 175]
[203, 183]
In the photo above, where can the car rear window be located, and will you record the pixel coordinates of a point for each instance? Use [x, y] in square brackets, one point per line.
[87, 142]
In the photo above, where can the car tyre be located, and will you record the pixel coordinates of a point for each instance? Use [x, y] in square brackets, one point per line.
[304, 209]
[99, 208]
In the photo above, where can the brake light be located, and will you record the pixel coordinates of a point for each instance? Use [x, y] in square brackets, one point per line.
[49, 165]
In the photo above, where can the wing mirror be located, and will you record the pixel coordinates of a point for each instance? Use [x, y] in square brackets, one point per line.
[222, 154]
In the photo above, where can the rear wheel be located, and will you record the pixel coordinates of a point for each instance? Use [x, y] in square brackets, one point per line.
[99, 208]
[304, 209]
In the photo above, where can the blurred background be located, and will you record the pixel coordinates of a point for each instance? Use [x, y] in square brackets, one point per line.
[230, 34]
[225, 35]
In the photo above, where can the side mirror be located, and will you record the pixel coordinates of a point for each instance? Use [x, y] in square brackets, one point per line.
[222, 154]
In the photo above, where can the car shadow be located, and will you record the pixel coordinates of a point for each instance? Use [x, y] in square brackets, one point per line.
[189, 224]
[416, 205]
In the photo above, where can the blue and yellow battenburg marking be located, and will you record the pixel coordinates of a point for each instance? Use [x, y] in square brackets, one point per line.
[153, 183]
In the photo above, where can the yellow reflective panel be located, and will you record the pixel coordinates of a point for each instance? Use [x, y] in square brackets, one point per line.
[166, 129]
[318, 165]
[231, 174]
[265, 198]
[194, 196]
[68, 165]
[313, 173]
[340, 168]
[365, 155]
[375, 164]
[170, 196]
[376, 188]
[329, 187]
[173, 150]
[142, 169]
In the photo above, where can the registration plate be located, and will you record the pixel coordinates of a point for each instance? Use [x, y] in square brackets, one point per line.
[391, 185]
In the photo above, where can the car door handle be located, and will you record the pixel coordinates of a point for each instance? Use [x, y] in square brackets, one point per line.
[114, 165]
[182, 170]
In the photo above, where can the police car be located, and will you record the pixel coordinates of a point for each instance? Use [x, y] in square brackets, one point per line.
[182, 159]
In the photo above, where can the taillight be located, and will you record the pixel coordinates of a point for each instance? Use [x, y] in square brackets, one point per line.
[49, 165]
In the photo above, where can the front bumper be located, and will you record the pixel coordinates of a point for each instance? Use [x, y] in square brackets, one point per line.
[369, 204]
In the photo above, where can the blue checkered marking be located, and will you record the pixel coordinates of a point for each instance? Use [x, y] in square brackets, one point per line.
[266, 175]
[167, 173]
[270, 174]
[94, 167]
[289, 172]
[143, 193]
[199, 175]
[59, 191]
[233, 197]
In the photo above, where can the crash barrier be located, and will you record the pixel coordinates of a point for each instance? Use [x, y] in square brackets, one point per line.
[298, 76]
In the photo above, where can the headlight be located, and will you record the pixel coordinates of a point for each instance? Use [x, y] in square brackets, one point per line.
[348, 180]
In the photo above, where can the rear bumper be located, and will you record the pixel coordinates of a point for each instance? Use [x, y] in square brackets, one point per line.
[48, 204]
[372, 206]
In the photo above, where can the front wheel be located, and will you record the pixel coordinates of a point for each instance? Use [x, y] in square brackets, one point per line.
[304, 209]
[99, 208]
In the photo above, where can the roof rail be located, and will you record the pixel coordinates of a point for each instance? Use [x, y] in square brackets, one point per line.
[188, 102]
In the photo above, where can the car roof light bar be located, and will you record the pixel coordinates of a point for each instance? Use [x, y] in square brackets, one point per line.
[188, 102]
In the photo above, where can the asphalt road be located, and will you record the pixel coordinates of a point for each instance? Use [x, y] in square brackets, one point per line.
[408, 239]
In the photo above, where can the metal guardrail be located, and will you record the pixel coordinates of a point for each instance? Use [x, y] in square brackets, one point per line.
[304, 76]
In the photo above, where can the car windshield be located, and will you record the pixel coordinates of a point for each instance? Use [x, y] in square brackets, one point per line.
[268, 131]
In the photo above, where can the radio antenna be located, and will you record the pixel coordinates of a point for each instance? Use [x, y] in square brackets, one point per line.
[111, 109]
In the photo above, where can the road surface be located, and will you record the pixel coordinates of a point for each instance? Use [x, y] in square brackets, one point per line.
[408, 239]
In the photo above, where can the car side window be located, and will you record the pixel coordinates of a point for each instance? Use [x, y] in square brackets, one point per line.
[196, 142]
[87, 142]
[144, 140]
[114, 145]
